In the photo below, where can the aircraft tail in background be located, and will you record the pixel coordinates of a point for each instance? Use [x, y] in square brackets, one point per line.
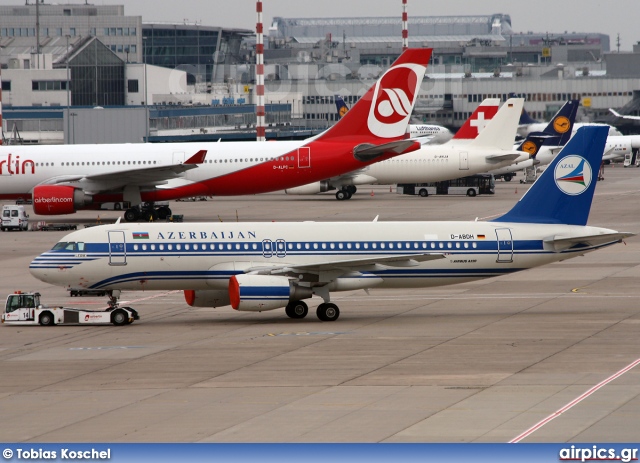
[383, 112]
[564, 192]
[478, 120]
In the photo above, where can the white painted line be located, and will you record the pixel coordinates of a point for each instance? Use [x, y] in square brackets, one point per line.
[576, 401]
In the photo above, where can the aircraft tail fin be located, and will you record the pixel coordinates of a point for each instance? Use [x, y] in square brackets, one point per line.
[564, 192]
[383, 113]
[501, 130]
[561, 125]
[341, 106]
[478, 120]
[525, 118]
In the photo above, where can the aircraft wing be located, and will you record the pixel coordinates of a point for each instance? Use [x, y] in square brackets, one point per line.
[367, 152]
[633, 118]
[497, 158]
[338, 267]
[139, 176]
[559, 243]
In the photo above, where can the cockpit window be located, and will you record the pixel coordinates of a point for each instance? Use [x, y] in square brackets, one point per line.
[69, 246]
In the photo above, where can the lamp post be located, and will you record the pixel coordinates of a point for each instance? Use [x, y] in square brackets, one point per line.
[146, 107]
[68, 85]
[74, 126]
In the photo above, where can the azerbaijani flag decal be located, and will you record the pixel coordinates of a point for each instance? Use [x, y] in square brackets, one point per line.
[140, 235]
[573, 175]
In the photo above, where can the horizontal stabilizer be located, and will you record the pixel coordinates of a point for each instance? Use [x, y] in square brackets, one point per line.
[367, 152]
[498, 158]
[559, 243]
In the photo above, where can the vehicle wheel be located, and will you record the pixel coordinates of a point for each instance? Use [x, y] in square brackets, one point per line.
[423, 192]
[328, 312]
[471, 192]
[352, 189]
[2, 228]
[507, 177]
[341, 195]
[117, 207]
[131, 215]
[46, 319]
[297, 309]
[119, 317]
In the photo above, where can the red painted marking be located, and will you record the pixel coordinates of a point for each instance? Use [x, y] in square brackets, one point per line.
[574, 402]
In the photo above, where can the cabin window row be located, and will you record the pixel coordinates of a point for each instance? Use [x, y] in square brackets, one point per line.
[280, 246]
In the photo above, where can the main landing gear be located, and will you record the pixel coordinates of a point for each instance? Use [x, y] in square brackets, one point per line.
[346, 192]
[147, 213]
[326, 312]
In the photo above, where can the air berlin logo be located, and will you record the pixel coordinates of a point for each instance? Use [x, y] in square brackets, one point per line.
[573, 175]
[393, 100]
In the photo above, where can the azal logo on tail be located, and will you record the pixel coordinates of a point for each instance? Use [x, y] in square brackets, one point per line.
[573, 175]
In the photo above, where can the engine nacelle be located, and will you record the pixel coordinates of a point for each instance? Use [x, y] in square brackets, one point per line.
[206, 298]
[58, 199]
[310, 189]
[255, 293]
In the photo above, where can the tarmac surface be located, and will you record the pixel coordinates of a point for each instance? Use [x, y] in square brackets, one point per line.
[475, 362]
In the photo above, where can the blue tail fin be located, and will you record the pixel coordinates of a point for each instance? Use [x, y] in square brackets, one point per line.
[563, 193]
[341, 106]
[562, 123]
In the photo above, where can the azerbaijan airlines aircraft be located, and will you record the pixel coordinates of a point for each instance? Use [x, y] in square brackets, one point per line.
[492, 148]
[264, 266]
[63, 179]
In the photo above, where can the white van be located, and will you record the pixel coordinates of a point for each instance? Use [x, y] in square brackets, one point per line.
[14, 218]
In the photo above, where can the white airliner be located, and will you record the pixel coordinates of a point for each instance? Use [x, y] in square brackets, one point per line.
[264, 266]
[63, 179]
[490, 149]
[623, 116]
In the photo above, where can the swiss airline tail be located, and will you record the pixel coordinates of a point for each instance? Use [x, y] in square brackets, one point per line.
[478, 120]
[383, 113]
[501, 131]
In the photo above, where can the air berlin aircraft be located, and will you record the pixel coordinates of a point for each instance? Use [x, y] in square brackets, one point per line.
[64, 179]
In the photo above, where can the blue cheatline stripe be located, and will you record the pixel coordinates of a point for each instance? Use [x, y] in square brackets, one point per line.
[273, 292]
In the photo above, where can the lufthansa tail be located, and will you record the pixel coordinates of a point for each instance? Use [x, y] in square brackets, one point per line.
[561, 126]
[564, 192]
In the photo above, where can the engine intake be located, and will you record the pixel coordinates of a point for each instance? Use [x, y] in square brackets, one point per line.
[58, 199]
[255, 293]
[310, 189]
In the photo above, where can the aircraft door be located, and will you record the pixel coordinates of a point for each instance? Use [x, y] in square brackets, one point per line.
[117, 248]
[304, 157]
[464, 160]
[179, 157]
[505, 245]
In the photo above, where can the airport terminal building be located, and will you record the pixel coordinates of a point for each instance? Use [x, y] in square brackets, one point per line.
[83, 56]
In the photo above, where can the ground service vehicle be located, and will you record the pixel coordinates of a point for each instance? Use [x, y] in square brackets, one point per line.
[25, 309]
[14, 218]
[471, 186]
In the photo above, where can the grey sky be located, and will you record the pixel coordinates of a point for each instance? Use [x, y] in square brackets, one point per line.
[554, 16]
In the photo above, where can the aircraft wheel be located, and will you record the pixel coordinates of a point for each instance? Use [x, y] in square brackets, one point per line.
[352, 190]
[297, 309]
[163, 212]
[119, 317]
[507, 177]
[341, 195]
[423, 192]
[328, 312]
[471, 192]
[131, 215]
[117, 207]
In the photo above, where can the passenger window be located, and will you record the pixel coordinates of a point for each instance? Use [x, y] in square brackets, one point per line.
[80, 246]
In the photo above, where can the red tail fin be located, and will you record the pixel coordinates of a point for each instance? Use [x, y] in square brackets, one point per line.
[383, 113]
[474, 125]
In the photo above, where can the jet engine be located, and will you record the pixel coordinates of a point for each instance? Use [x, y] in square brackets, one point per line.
[206, 298]
[310, 189]
[58, 199]
[255, 293]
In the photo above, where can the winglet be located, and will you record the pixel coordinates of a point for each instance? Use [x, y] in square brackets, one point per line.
[197, 158]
